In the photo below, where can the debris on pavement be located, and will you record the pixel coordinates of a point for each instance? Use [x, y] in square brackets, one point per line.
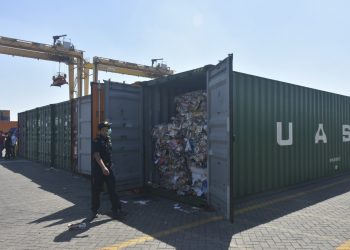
[74, 226]
[187, 211]
[141, 202]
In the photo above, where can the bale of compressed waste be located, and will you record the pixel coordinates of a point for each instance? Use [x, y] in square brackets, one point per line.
[181, 146]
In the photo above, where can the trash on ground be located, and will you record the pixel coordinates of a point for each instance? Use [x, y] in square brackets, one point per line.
[142, 202]
[74, 226]
[187, 211]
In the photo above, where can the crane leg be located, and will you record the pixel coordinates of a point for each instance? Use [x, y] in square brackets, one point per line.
[71, 81]
[95, 73]
[80, 76]
[86, 81]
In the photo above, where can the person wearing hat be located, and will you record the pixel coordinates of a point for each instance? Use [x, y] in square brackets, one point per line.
[102, 172]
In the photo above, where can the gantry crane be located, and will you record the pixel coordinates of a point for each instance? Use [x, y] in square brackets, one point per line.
[121, 67]
[58, 52]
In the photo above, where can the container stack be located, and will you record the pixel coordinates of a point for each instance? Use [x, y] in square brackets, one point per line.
[181, 146]
[45, 135]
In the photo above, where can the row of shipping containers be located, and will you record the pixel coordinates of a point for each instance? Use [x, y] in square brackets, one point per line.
[45, 135]
[51, 134]
[262, 135]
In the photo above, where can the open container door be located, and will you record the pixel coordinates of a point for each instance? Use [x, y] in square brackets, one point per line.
[220, 137]
[84, 134]
[123, 108]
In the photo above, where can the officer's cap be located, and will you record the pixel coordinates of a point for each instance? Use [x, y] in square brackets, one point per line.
[104, 124]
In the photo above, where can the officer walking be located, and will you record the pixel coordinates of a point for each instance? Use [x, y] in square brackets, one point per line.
[102, 172]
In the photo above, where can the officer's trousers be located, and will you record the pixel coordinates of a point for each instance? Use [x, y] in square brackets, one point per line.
[97, 180]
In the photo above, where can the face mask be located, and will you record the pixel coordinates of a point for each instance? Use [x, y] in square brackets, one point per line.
[109, 132]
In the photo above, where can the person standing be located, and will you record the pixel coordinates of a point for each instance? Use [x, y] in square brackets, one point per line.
[2, 143]
[13, 145]
[8, 146]
[102, 172]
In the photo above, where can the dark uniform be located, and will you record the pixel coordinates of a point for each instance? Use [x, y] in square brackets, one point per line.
[8, 147]
[103, 145]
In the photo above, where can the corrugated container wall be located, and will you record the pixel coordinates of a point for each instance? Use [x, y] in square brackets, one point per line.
[4, 115]
[22, 134]
[63, 141]
[45, 134]
[286, 134]
[74, 135]
[123, 108]
[32, 134]
[83, 125]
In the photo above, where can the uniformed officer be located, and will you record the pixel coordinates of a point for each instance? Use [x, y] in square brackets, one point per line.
[102, 172]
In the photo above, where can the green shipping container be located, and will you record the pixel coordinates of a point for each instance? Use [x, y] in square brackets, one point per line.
[32, 134]
[262, 134]
[286, 134]
[45, 131]
[62, 128]
[22, 134]
[45, 135]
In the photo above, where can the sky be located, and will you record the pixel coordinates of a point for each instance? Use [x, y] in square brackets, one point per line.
[304, 42]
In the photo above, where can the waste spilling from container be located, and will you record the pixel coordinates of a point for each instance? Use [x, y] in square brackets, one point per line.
[181, 146]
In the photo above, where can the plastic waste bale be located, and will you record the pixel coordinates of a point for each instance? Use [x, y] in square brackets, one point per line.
[181, 146]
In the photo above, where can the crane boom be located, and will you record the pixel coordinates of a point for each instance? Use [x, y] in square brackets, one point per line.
[34, 54]
[40, 47]
[73, 57]
[17, 47]
[121, 67]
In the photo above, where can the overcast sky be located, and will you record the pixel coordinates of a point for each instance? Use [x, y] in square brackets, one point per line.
[305, 42]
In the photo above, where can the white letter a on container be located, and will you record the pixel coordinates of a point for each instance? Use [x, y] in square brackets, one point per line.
[320, 134]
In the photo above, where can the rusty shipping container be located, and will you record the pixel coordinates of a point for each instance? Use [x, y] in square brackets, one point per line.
[6, 126]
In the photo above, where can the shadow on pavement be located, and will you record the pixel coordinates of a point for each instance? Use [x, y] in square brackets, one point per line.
[177, 225]
[70, 187]
[68, 235]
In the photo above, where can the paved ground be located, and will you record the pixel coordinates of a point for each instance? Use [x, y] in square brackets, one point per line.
[37, 203]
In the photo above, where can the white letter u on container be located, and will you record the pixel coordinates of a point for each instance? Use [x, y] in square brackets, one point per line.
[280, 141]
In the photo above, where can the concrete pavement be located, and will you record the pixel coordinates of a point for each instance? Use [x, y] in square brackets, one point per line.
[37, 203]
